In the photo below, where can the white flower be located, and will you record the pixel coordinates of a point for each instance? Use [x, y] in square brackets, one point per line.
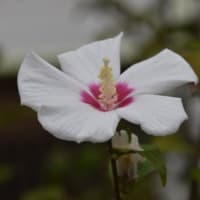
[127, 164]
[85, 101]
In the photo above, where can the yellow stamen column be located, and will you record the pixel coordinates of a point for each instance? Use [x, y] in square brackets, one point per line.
[108, 93]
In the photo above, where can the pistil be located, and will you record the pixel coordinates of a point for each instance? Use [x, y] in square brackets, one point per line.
[108, 93]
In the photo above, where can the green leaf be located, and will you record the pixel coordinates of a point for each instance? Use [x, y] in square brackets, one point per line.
[155, 162]
[144, 168]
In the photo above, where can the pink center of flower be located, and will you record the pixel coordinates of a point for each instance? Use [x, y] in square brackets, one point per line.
[123, 99]
[107, 95]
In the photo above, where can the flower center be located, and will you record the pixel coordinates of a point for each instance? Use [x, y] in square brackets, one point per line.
[107, 94]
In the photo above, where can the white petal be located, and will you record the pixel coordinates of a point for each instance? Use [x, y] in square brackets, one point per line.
[157, 115]
[84, 63]
[165, 71]
[78, 122]
[40, 84]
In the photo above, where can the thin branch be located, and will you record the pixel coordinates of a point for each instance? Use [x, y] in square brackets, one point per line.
[114, 172]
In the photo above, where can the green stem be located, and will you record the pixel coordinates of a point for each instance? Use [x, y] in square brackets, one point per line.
[114, 172]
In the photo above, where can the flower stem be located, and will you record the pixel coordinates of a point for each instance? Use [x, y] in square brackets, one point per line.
[114, 172]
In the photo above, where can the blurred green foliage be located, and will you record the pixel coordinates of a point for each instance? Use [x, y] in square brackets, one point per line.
[45, 193]
[11, 113]
[195, 174]
[6, 173]
[174, 143]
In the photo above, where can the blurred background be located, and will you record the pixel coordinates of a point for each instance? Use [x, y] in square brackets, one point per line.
[35, 165]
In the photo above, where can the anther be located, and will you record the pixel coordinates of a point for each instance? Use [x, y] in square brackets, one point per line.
[106, 62]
